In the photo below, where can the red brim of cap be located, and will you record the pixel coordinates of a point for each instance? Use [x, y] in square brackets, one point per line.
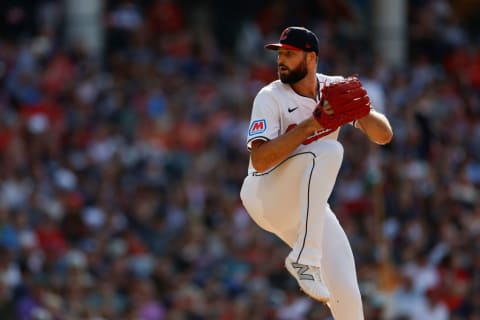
[276, 46]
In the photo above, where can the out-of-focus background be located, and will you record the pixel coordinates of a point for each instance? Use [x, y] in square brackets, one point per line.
[122, 152]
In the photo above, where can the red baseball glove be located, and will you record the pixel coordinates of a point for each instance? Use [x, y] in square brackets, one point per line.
[348, 101]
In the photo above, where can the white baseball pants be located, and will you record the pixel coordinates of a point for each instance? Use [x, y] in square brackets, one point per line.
[291, 201]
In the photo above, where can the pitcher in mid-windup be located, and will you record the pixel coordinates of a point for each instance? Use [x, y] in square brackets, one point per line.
[294, 161]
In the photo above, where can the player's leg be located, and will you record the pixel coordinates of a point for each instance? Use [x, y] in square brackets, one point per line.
[273, 202]
[272, 199]
[338, 272]
[317, 185]
[290, 201]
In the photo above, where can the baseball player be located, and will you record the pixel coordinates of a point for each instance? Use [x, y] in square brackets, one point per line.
[294, 161]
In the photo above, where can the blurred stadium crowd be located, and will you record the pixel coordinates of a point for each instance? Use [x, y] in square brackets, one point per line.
[120, 174]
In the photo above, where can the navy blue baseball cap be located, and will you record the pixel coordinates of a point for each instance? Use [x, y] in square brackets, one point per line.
[296, 38]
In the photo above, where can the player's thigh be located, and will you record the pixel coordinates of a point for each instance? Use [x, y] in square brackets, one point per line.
[272, 199]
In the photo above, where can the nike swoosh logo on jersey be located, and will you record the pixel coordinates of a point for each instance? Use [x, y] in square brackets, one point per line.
[292, 109]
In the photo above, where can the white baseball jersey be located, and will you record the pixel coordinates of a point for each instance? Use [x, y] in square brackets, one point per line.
[277, 108]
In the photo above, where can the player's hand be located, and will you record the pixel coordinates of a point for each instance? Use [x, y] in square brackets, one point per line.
[327, 108]
[313, 125]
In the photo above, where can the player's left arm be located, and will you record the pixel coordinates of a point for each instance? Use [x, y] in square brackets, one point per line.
[376, 127]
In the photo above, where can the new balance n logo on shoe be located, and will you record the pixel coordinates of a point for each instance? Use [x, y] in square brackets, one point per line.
[301, 271]
[309, 279]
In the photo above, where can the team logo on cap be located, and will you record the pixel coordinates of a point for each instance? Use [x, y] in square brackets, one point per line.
[257, 126]
[284, 34]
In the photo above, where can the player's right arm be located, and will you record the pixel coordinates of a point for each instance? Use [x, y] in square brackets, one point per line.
[266, 154]
[267, 143]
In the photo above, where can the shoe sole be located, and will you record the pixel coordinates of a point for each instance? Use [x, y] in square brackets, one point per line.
[325, 300]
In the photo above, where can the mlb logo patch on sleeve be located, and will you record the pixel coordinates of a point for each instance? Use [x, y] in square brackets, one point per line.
[257, 126]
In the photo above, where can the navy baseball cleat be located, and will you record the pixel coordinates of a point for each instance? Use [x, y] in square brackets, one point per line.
[309, 279]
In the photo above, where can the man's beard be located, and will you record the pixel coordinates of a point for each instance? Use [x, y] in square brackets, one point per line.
[295, 75]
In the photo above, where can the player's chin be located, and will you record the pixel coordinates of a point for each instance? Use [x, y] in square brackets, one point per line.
[284, 78]
[283, 75]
